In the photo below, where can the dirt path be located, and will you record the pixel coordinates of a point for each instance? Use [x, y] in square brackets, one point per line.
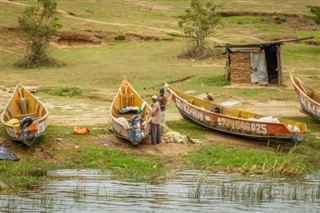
[275, 108]
[163, 149]
[149, 5]
[69, 112]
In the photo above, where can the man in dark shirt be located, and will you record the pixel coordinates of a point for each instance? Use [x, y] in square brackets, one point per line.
[163, 102]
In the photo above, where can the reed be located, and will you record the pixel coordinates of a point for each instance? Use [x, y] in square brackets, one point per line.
[79, 192]
[251, 192]
[232, 159]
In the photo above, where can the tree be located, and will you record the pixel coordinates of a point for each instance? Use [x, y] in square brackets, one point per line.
[316, 12]
[38, 24]
[198, 22]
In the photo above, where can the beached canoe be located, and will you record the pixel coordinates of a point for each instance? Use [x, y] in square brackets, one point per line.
[25, 116]
[309, 97]
[235, 121]
[130, 117]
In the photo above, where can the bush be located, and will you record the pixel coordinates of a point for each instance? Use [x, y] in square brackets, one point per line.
[316, 12]
[38, 24]
[198, 22]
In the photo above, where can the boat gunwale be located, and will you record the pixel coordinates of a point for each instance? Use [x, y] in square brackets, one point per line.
[112, 103]
[237, 118]
[304, 94]
[44, 117]
[113, 119]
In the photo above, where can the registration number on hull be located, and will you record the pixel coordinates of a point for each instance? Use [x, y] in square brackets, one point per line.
[258, 128]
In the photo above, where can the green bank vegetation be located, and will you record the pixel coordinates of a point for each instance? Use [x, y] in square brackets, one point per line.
[147, 64]
[61, 149]
[79, 152]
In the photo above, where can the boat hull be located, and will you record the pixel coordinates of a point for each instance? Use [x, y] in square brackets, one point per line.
[293, 139]
[124, 100]
[308, 105]
[234, 125]
[39, 124]
[123, 133]
[41, 130]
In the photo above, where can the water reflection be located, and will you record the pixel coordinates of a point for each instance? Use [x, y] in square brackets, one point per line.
[189, 191]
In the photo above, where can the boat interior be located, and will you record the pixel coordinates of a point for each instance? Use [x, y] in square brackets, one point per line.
[127, 97]
[206, 105]
[309, 91]
[23, 104]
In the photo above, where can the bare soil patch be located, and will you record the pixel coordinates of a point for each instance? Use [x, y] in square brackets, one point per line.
[314, 43]
[236, 141]
[77, 114]
[248, 143]
[11, 42]
[163, 149]
[251, 13]
[275, 108]
[149, 5]
[75, 39]
[91, 38]
[294, 21]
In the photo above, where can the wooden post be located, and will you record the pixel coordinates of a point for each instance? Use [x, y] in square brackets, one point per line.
[265, 62]
[279, 65]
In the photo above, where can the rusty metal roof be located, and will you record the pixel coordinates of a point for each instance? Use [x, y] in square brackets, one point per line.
[278, 42]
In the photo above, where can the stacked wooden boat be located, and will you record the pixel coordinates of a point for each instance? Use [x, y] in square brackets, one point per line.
[130, 117]
[235, 121]
[25, 116]
[309, 97]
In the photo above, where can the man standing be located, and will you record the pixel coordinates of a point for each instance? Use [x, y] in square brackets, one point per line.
[155, 121]
[163, 102]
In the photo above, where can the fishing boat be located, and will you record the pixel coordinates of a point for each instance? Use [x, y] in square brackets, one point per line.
[235, 121]
[25, 116]
[130, 116]
[309, 97]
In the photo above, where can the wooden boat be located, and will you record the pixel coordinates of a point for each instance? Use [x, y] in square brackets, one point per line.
[25, 116]
[235, 121]
[309, 97]
[135, 124]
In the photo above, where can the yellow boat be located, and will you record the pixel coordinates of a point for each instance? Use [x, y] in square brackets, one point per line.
[25, 116]
[130, 117]
[237, 122]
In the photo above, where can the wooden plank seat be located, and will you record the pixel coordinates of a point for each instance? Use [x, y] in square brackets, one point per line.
[20, 117]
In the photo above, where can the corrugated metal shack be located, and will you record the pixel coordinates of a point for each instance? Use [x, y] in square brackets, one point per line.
[255, 63]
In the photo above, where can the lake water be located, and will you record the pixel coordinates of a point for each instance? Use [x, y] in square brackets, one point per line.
[187, 191]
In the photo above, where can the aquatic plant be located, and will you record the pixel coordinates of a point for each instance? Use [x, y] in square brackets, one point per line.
[251, 193]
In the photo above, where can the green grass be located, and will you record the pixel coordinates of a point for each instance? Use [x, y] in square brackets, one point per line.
[67, 91]
[26, 174]
[148, 65]
[124, 166]
[74, 152]
[247, 160]
[301, 56]
[313, 126]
